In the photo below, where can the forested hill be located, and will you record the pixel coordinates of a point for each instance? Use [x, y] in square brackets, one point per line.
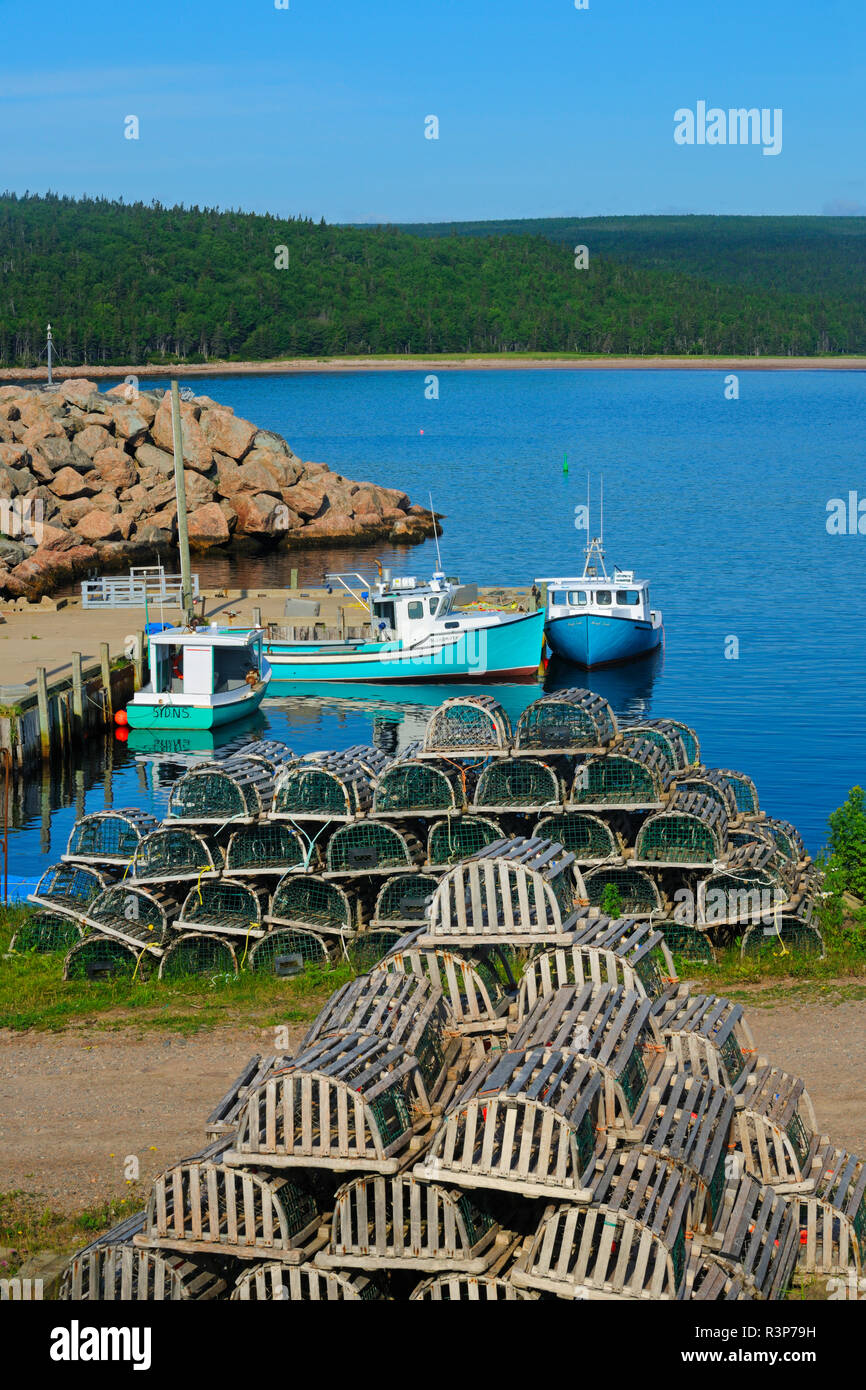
[131, 283]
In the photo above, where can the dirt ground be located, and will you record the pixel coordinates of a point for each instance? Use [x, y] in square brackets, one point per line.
[73, 1106]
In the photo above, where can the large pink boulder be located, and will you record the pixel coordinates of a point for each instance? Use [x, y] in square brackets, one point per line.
[98, 526]
[307, 498]
[207, 526]
[199, 490]
[197, 453]
[115, 468]
[226, 434]
[257, 515]
[131, 418]
[93, 438]
[248, 476]
[69, 483]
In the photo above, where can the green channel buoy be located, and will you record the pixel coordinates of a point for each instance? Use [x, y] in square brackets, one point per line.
[565, 463]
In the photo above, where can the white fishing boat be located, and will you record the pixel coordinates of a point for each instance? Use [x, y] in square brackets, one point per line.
[201, 678]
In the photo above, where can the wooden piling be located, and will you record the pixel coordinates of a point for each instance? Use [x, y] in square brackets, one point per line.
[257, 617]
[105, 662]
[141, 650]
[42, 700]
[294, 578]
[77, 696]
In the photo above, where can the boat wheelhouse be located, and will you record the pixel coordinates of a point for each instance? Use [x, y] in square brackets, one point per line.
[201, 678]
[596, 619]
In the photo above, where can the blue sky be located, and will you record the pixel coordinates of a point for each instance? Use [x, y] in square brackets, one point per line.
[544, 110]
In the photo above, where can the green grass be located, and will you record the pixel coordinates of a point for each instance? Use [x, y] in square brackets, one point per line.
[840, 975]
[33, 994]
[28, 1226]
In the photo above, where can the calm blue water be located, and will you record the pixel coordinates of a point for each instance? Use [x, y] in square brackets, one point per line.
[722, 504]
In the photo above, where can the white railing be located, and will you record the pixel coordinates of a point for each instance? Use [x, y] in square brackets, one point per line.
[146, 584]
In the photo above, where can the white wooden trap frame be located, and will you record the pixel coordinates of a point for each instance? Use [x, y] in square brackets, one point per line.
[515, 892]
[706, 1035]
[403, 1222]
[108, 837]
[348, 1102]
[641, 945]
[468, 1288]
[707, 1281]
[630, 1245]
[236, 790]
[105, 1273]
[686, 1120]
[477, 988]
[611, 1028]
[566, 721]
[832, 1218]
[175, 854]
[776, 1131]
[142, 917]
[281, 1283]
[468, 726]
[204, 1207]
[526, 1122]
[756, 1240]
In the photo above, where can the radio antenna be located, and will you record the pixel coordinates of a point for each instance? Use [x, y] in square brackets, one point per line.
[601, 505]
[435, 532]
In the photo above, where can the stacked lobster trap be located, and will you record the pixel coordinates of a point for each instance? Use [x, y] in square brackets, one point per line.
[273, 862]
[520, 1100]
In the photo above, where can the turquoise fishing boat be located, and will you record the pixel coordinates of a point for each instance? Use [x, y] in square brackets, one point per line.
[201, 678]
[416, 634]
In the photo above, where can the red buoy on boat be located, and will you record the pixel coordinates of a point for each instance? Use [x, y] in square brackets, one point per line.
[120, 718]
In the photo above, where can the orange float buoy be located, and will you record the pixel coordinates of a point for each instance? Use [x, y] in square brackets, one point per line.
[120, 718]
[121, 733]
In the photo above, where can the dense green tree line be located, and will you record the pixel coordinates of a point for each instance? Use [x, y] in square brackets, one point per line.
[130, 283]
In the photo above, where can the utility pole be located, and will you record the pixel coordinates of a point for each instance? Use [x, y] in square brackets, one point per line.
[180, 492]
[50, 346]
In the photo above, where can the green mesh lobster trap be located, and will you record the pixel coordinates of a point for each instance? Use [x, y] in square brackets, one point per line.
[687, 943]
[638, 894]
[311, 902]
[744, 789]
[692, 830]
[667, 737]
[403, 901]
[268, 847]
[232, 789]
[712, 784]
[468, 724]
[415, 788]
[139, 916]
[567, 721]
[172, 854]
[691, 742]
[288, 951]
[786, 935]
[197, 953]
[519, 784]
[108, 1272]
[328, 786]
[589, 838]
[460, 837]
[634, 775]
[109, 837]
[517, 892]
[369, 947]
[477, 988]
[101, 959]
[68, 888]
[223, 907]
[44, 932]
[371, 847]
[747, 890]
[787, 837]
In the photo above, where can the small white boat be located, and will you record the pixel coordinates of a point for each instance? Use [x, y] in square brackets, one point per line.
[201, 678]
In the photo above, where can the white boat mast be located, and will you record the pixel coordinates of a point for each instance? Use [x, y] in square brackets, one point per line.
[595, 544]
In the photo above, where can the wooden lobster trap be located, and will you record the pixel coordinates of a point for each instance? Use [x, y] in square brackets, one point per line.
[518, 892]
[109, 837]
[756, 1240]
[139, 916]
[68, 889]
[708, 1036]
[832, 1218]
[233, 789]
[589, 838]
[477, 989]
[372, 847]
[641, 945]
[328, 786]
[42, 933]
[566, 721]
[201, 1206]
[403, 1222]
[348, 1102]
[788, 933]
[707, 1281]
[303, 1284]
[456, 838]
[99, 959]
[632, 776]
[692, 830]
[287, 951]
[468, 1288]
[266, 848]
[744, 789]
[712, 784]
[636, 892]
[520, 784]
[610, 1027]
[775, 1130]
[686, 1120]
[468, 726]
[528, 1122]
[626, 953]
[198, 953]
[175, 854]
[415, 787]
[224, 907]
[629, 1244]
[788, 839]
[308, 903]
[223, 1119]
[108, 1273]
[404, 901]
[748, 889]
[677, 742]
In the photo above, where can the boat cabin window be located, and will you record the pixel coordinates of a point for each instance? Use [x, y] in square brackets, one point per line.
[232, 666]
[452, 624]
[434, 604]
[416, 610]
[602, 597]
[559, 598]
[384, 612]
[629, 597]
[577, 597]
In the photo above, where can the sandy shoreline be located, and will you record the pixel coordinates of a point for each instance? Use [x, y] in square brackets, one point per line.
[504, 362]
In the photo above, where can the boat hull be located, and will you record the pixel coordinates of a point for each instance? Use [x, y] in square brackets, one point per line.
[184, 714]
[590, 640]
[506, 651]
